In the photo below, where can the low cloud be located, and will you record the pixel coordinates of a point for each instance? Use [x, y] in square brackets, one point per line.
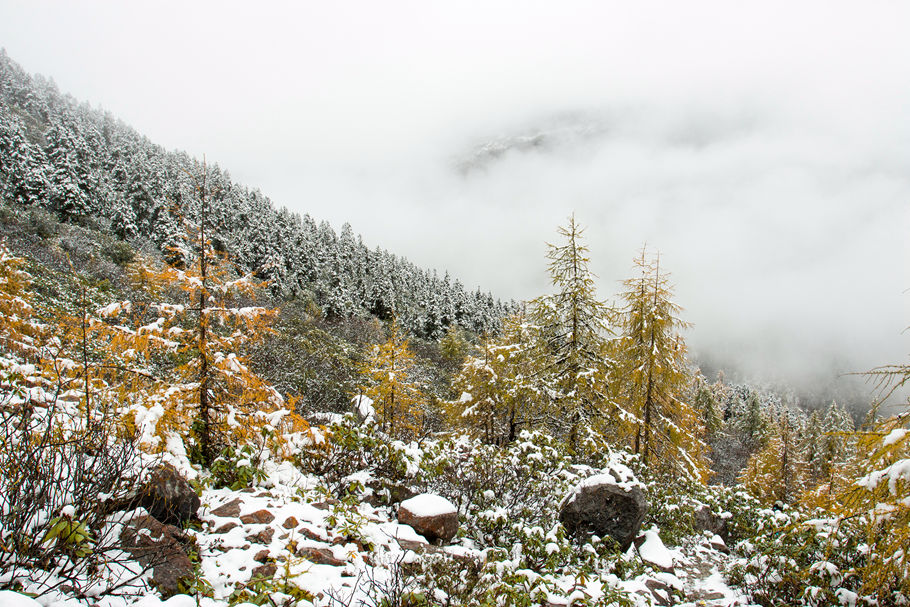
[761, 148]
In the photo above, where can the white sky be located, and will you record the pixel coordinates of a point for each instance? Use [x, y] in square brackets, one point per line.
[763, 147]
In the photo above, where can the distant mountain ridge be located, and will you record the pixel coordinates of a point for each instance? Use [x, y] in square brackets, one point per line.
[80, 162]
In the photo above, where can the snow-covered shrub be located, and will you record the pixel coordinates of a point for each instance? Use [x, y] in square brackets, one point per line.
[499, 490]
[58, 483]
[674, 503]
[509, 499]
[238, 468]
[351, 453]
[804, 561]
[448, 581]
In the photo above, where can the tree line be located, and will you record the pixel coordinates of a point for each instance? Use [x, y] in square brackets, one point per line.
[84, 165]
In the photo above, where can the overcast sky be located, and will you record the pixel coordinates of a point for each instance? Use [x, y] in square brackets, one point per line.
[762, 147]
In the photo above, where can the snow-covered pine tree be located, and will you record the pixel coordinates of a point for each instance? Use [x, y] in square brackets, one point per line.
[500, 393]
[654, 376]
[813, 448]
[95, 165]
[705, 402]
[575, 334]
[23, 178]
[752, 423]
[399, 401]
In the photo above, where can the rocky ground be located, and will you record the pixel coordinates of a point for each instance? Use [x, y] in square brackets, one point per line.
[285, 542]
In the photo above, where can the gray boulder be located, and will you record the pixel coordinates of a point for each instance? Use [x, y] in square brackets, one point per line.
[168, 496]
[603, 506]
[160, 548]
[706, 520]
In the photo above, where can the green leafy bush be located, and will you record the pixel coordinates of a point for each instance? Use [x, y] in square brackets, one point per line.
[237, 468]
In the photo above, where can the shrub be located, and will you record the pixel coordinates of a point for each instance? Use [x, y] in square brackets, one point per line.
[58, 481]
[119, 252]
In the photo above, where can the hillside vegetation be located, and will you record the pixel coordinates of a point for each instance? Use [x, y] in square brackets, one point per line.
[191, 413]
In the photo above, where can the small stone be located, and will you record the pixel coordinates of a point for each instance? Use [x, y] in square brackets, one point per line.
[259, 517]
[290, 523]
[226, 527]
[432, 516]
[159, 547]
[320, 556]
[262, 556]
[263, 537]
[660, 592]
[718, 544]
[266, 571]
[168, 496]
[228, 510]
[312, 535]
[706, 520]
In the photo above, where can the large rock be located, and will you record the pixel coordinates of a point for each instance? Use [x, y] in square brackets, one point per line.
[706, 520]
[161, 548]
[606, 507]
[168, 496]
[432, 516]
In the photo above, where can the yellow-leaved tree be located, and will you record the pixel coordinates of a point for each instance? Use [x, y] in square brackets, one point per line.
[18, 329]
[399, 401]
[778, 471]
[184, 332]
[500, 394]
[653, 375]
[877, 498]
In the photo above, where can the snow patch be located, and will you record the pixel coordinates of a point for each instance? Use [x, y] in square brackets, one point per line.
[8, 598]
[428, 504]
[653, 551]
[894, 436]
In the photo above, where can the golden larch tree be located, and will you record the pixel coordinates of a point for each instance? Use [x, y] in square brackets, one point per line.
[653, 376]
[399, 401]
[500, 394]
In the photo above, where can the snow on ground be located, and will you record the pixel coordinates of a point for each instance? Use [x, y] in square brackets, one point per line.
[14, 599]
[289, 532]
[653, 551]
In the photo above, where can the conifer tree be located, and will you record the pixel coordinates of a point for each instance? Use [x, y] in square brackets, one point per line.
[869, 494]
[654, 374]
[209, 392]
[752, 423]
[837, 426]
[399, 401]
[777, 472]
[813, 448]
[705, 403]
[574, 331]
[499, 392]
[453, 346]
